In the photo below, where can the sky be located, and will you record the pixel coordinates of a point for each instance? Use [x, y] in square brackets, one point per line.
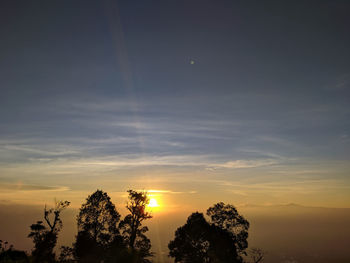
[245, 102]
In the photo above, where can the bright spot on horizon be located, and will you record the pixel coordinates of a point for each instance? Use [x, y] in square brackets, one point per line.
[153, 203]
[192, 62]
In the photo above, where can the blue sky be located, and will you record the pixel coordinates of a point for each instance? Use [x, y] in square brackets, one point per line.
[95, 90]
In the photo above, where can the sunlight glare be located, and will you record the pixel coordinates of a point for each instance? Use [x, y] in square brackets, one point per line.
[153, 203]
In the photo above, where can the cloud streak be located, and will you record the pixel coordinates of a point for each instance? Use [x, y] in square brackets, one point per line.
[19, 186]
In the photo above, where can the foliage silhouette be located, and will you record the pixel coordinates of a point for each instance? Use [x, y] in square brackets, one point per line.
[222, 239]
[99, 237]
[8, 255]
[227, 217]
[131, 226]
[98, 217]
[66, 255]
[97, 228]
[15, 256]
[45, 237]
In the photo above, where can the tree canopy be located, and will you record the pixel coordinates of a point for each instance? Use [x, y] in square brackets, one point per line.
[221, 239]
[101, 238]
[98, 218]
[97, 227]
[131, 226]
[227, 217]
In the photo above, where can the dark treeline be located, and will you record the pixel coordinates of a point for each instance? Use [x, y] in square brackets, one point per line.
[103, 237]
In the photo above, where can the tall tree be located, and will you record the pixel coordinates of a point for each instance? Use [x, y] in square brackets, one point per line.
[221, 239]
[97, 228]
[227, 217]
[45, 236]
[132, 230]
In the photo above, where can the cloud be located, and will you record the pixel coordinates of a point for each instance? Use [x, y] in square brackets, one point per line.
[282, 186]
[238, 164]
[201, 161]
[27, 187]
[32, 150]
[170, 192]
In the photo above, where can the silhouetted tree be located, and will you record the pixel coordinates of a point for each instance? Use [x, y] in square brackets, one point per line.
[66, 255]
[121, 253]
[227, 217]
[12, 255]
[132, 230]
[45, 237]
[9, 254]
[97, 228]
[222, 239]
[201, 242]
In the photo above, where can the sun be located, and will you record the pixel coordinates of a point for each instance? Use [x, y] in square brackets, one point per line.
[153, 203]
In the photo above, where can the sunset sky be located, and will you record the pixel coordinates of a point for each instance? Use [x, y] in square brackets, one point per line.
[201, 101]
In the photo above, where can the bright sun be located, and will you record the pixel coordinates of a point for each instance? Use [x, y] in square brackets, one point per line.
[153, 202]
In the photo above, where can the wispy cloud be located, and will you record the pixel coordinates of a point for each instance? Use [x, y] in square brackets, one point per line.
[200, 161]
[239, 164]
[32, 150]
[19, 186]
[170, 192]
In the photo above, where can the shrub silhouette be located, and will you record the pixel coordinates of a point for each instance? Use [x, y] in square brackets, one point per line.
[15, 256]
[9, 255]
